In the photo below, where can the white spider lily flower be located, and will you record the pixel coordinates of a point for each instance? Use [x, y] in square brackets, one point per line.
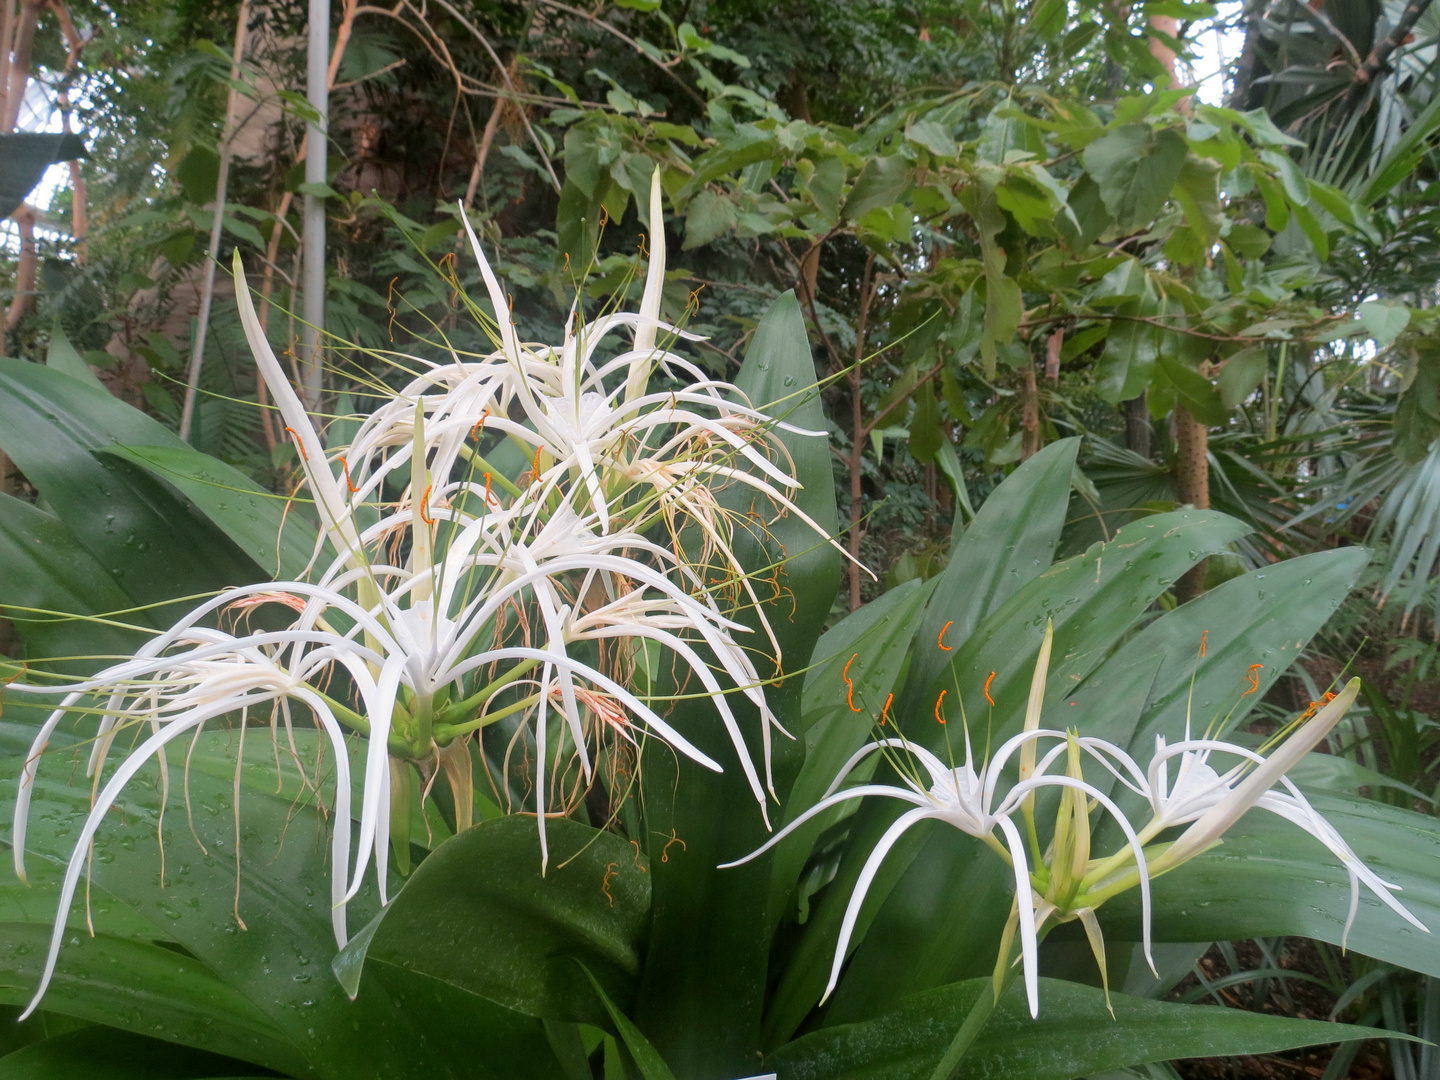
[1210, 801]
[965, 799]
[176, 699]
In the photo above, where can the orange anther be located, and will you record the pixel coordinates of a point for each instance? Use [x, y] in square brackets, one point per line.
[886, 711]
[1203, 635]
[299, 445]
[850, 684]
[938, 702]
[1253, 674]
[988, 681]
[346, 466]
[479, 427]
[424, 501]
[940, 638]
[536, 467]
[611, 872]
[487, 489]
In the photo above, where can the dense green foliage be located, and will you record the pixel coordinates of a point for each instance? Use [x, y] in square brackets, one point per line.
[1085, 349]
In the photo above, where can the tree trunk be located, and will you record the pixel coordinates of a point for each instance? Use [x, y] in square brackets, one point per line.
[1137, 426]
[1192, 486]
[1030, 416]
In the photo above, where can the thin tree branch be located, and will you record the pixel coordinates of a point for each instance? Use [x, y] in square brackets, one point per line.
[1379, 58]
[603, 25]
[509, 85]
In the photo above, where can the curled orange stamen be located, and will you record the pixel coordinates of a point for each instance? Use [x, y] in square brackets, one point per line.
[346, 466]
[478, 429]
[886, 711]
[1253, 674]
[611, 872]
[424, 501]
[487, 489]
[1204, 634]
[988, 681]
[665, 851]
[536, 467]
[938, 702]
[850, 684]
[299, 445]
[940, 638]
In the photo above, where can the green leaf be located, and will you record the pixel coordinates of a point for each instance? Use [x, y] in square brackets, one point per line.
[1291, 178]
[98, 1053]
[778, 376]
[710, 215]
[925, 432]
[1259, 124]
[255, 519]
[1012, 539]
[63, 357]
[651, 1065]
[480, 915]
[1197, 190]
[1074, 1035]
[1241, 373]
[1131, 347]
[744, 146]
[1089, 212]
[154, 545]
[1264, 617]
[1385, 319]
[881, 182]
[1196, 392]
[878, 637]
[933, 137]
[46, 570]
[280, 962]
[144, 988]
[1135, 169]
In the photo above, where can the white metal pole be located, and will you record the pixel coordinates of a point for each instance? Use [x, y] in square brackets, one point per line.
[317, 59]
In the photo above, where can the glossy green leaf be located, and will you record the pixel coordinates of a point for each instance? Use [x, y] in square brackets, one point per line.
[144, 988]
[651, 1065]
[1265, 617]
[1011, 540]
[1135, 169]
[279, 961]
[154, 545]
[837, 716]
[1242, 373]
[710, 215]
[881, 182]
[98, 1053]
[479, 915]
[262, 524]
[1196, 392]
[62, 357]
[47, 570]
[1074, 1035]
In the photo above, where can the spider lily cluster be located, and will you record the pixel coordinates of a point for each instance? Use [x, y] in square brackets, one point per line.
[1064, 880]
[445, 597]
